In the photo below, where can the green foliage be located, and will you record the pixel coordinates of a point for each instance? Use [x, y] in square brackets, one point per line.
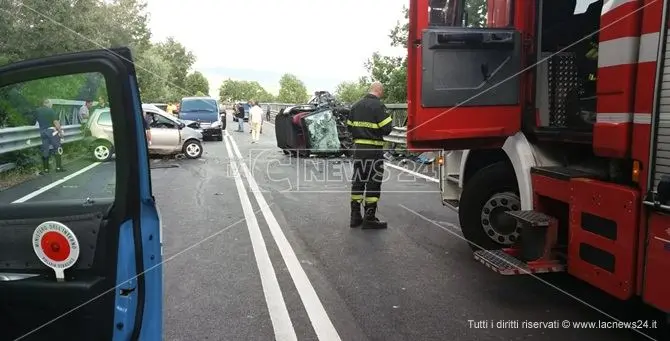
[350, 92]
[292, 90]
[38, 28]
[232, 91]
[400, 32]
[197, 83]
[180, 61]
[152, 71]
[476, 10]
[392, 71]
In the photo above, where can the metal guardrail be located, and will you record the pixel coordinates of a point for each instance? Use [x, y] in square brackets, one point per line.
[20, 138]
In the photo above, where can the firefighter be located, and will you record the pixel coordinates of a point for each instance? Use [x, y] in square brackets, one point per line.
[368, 123]
[51, 135]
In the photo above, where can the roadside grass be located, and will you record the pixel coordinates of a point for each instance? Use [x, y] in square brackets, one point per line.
[30, 165]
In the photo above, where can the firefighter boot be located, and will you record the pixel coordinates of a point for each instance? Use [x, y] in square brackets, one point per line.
[356, 218]
[370, 221]
[59, 163]
[45, 165]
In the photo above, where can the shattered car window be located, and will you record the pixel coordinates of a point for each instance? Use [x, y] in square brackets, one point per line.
[322, 132]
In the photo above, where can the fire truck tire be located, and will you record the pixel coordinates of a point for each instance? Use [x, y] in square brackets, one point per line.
[488, 194]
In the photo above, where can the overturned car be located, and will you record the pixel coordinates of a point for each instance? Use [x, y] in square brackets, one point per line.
[316, 128]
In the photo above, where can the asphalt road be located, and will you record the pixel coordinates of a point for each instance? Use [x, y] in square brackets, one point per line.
[257, 247]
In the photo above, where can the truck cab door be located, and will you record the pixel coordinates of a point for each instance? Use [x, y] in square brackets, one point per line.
[464, 89]
[80, 254]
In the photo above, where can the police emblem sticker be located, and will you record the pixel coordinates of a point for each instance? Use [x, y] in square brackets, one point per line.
[56, 246]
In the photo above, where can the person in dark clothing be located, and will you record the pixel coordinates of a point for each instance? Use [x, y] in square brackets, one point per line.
[267, 114]
[368, 123]
[240, 117]
[51, 135]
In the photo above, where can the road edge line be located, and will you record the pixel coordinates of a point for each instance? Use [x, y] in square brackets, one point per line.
[274, 299]
[321, 322]
[54, 184]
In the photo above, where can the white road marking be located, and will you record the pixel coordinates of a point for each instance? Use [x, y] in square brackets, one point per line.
[281, 321]
[412, 172]
[54, 184]
[323, 326]
[441, 224]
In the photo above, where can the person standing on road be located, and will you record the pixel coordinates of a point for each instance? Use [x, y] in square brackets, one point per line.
[51, 134]
[267, 114]
[240, 117]
[368, 123]
[255, 119]
[84, 111]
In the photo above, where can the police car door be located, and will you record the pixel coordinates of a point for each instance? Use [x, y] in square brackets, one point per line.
[80, 245]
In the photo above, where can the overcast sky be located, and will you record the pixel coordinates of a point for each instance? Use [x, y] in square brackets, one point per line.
[323, 42]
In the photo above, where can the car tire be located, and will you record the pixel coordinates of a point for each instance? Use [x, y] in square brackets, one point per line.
[192, 149]
[486, 196]
[102, 150]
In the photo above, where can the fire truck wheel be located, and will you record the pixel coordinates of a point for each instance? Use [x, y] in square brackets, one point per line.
[486, 197]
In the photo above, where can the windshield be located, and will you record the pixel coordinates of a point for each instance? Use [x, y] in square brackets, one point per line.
[201, 110]
[199, 105]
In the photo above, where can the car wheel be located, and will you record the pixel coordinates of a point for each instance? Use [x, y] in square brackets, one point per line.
[102, 151]
[192, 149]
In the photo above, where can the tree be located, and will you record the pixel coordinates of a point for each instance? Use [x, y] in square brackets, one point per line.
[232, 90]
[180, 61]
[476, 10]
[196, 82]
[292, 90]
[32, 29]
[350, 92]
[392, 71]
[152, 69]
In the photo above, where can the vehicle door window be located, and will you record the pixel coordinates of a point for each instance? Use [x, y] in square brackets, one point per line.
[471, 13]
[105, 119]
[162, 122]
[47, 175]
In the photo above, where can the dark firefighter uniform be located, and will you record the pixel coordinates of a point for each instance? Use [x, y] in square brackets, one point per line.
[368, 123]
[51, 140]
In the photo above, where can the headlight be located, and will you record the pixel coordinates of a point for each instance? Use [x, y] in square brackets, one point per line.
[216, 124]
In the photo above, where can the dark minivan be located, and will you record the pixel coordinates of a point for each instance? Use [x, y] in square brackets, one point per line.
[206, 111]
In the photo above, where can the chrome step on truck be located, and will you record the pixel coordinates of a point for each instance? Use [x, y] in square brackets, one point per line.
[534, 252]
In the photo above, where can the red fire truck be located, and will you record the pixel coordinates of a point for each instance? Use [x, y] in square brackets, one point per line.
[553, 118]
